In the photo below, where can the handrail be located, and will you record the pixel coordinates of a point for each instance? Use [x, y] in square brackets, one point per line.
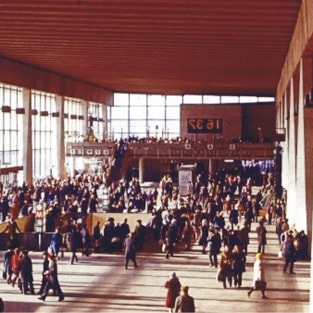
[240, 150]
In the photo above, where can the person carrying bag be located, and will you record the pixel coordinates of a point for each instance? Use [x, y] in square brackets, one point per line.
[259, 282]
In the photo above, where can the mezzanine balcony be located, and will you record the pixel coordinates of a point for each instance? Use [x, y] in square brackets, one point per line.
[194, 151]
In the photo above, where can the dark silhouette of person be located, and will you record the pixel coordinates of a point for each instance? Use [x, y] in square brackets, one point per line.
[130, 250]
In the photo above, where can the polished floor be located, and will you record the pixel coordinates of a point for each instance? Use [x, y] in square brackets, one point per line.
[100, 283]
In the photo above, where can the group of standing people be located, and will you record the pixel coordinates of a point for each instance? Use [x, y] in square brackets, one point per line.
[18, 270]
[231, 266]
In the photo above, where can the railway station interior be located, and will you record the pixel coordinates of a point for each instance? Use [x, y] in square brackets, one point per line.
[102, 96]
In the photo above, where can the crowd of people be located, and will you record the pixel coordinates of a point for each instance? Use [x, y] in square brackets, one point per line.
[216, 214]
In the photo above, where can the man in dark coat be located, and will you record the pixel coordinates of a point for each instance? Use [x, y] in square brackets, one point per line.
[130, 250]
[97, 237]
[261, 234]
[75, 243]
[45, 267]
[26, 273]
[214, 246]
[124, 229]
[171, 237]
[140, 235]
[290, 254]
[52, 280]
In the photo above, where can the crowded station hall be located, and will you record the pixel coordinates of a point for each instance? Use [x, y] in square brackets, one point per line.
[156, 156]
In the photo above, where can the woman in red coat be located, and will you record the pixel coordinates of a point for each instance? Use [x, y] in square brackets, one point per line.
[173, 288]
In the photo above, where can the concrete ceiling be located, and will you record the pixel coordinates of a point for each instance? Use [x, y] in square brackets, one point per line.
[160, 46]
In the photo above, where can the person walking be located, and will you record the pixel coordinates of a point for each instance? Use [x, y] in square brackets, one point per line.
[171, 237]
[244, 237]
[52, 280]
[56, 241]
[26, 273]
[45, 265]
[97, 237]
[173, 286]
[261, 234]
[204, 233]
[7, 270]
[239, 265]
[130, 250]
[85, 240]
[184, 302]
[75, 243]
[259, 282]
[15, 266]
[290, 254]
[225, 267]
[214, 246]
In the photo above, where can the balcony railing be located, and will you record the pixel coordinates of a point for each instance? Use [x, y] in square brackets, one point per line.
[240, 150]
[90, 149]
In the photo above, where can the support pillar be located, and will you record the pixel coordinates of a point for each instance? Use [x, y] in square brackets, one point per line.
[105, 122]
[211, 168]
[27, 138]
[285, 144]
[60, 167]
[292, 202]
[301, 162]
[141, 170]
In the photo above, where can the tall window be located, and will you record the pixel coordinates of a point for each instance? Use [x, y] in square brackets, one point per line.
[118, 124]
[11, 132]
[43, 133]
[74, 124]
[96, 120]
[136, 115]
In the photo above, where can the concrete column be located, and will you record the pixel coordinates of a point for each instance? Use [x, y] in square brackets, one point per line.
[291, 168]
[60, 169]
[211, 168]
[285, 145]
[301, 162]
[141, 170]
[306, 67]
[105, 121]
[27, 138]
[85, 114]
[306, 155]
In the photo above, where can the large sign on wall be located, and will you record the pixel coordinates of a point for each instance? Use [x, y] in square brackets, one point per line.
[205, 125]
[211, 122]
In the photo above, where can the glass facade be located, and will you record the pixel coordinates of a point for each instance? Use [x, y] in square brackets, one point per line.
[132, 115]
[43, 132]
[136, 115]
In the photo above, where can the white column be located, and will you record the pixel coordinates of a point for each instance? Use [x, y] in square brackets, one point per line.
[141, 170]
[292, 202]
[60, 167]
[301, 208]
[27, 138]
